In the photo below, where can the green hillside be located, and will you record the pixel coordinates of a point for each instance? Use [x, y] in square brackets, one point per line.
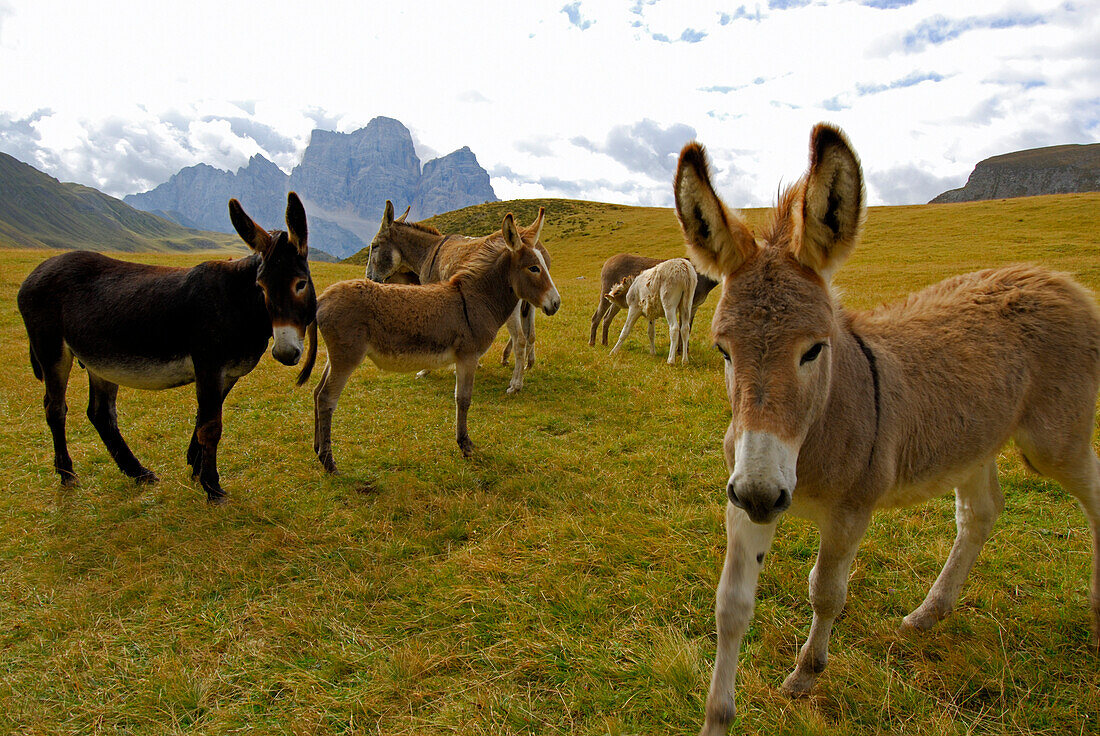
[903, 248]
[38, 211]
[561, 581]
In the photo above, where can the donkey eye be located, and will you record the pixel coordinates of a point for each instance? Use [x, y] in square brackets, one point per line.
[300, 286]
[534, 269]
[811, 354]
[723, 352]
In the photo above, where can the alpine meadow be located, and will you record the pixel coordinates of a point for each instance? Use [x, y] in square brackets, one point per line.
[559, 581]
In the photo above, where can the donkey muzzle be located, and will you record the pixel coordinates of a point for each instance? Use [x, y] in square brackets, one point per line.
[551, 303]
[763, 477]
[762, 504]
[288, 345]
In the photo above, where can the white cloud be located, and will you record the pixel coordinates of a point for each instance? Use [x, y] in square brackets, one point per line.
[928, 86]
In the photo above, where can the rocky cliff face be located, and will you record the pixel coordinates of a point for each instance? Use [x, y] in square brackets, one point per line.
[450, 183]
[198, 196]
[1053, 170]
[344, 178]
[356, 173]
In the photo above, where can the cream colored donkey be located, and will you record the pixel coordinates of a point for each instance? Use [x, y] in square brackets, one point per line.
[836, 414]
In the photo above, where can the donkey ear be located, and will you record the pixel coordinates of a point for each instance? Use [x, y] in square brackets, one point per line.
[296, 228]
[403, 214]
[251, 233]
[535, 229]
[828, 219]
[718, 242]
[387, 217]
[511, 234]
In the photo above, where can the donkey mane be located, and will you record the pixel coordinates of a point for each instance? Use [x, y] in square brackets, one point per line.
[484, 257]
[421, 227]
[780, 228]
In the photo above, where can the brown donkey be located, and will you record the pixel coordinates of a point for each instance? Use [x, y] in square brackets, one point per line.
[155, 327]
[836, 414]
[411, 252]
[410, 328]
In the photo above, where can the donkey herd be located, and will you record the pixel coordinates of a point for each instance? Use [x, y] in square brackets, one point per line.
[834, 414]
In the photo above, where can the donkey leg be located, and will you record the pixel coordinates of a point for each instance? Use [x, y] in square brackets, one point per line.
[210, 391]
[632, 316]
[194, 449]
[746, 545]
[978, 503]
[686, 318]
[102, 395]
[513, 329]
[1081, 477]
[673, 320]
[517, 336]
[465, 367]
[527, 325]
[828, 590]
[652, 344]
[325, 398]
[601, 308]
[56, 379]
[607, 317]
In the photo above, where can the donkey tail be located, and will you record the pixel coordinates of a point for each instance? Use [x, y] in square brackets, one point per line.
[311, 354]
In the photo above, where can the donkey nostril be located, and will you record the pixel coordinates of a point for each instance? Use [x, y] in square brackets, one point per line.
[732, 495]
[784, 500]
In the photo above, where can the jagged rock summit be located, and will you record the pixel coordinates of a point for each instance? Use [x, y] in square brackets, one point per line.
[1052, 170]
[344, 179]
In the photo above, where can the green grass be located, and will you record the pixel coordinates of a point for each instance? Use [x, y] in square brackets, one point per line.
[559, 582]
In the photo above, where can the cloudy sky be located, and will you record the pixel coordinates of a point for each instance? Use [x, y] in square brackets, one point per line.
[586, 99]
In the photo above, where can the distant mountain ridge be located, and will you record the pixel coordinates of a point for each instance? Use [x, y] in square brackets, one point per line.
[343, 178]
[1052, 170]
[38, 211]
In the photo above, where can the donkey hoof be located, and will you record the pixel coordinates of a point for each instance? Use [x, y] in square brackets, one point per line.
[513, 389]
[467, 448]
[217, 499]
[798, 684]
[146, 477]
[328, 463]
[69, 480]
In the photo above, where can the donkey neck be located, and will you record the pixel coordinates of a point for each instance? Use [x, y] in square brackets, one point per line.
[488, 296]
[417, 246]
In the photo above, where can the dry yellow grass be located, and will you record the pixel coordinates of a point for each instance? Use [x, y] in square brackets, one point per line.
[559, 582]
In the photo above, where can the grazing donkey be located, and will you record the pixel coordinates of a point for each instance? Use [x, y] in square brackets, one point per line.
[409, 328]
[402, 250]
[836, 414]
[620, 266]
[666, 289]
[155, 327]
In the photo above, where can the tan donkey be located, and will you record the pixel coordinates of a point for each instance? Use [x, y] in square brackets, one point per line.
[410, 328]
[836, 414]
[412, 252]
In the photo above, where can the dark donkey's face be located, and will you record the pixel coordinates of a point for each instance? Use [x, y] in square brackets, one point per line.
[283, 276]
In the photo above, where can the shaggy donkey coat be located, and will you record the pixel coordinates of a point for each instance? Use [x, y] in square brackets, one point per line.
[411, 328]
[412, 252]
[836, 414]
[623, 265]
[664, 290]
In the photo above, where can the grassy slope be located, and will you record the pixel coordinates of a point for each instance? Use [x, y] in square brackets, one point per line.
[37, 211]
[560, 582]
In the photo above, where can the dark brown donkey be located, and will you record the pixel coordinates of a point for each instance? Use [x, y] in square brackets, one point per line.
[411, 252]
[624, 265]
[155, 327]
[409, 328]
